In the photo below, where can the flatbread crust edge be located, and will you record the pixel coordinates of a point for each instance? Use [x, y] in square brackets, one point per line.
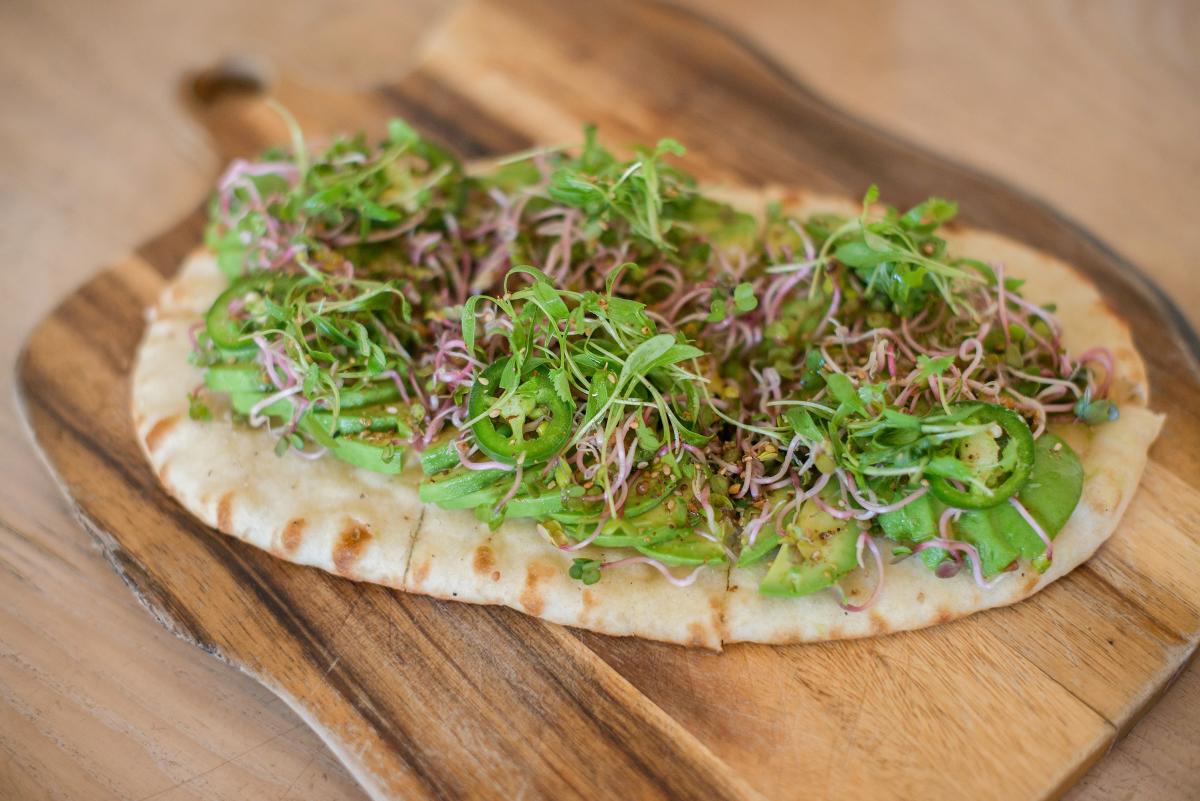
[369, 527]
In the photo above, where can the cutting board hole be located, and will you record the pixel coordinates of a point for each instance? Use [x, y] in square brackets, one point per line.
[237, 77]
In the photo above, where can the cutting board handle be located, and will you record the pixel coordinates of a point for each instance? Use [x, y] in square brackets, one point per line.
[236, 103]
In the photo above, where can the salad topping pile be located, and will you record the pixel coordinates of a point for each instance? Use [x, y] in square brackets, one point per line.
[595, 344]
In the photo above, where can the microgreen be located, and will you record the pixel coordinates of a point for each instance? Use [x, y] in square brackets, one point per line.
[585, 570]
[610, 191]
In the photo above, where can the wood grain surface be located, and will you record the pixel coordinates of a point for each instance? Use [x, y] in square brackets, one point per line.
[191, 729]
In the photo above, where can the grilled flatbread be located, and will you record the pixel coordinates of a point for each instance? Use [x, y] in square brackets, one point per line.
[371, 527]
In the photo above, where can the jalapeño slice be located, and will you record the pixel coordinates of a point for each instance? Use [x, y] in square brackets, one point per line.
[998, 459]
[222, 326]
[501, 428]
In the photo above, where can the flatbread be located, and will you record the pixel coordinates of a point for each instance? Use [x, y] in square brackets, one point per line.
[371, 527]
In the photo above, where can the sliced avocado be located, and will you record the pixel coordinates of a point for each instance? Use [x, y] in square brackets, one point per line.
[372, 450]
[615, 534]
[656, 525]
[382, 417]
[767, 539]
[369, 395]
[1051, 494]
[1007, 521]
[441, 454]
[765, 542]
[916, 522]
[995, 551]
[452, 484]
[819, 551]
[688, 550]
[534, 505]
[237, 377]
[646, 495]
[366, 454]
[243, 402]
[648, 492]
[1055, 484]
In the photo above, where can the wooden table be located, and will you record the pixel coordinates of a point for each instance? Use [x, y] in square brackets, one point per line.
[1092, 108]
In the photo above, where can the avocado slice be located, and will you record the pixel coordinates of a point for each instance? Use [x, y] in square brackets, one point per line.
[637, 505]
[382, 417]
[996, 552]
[916, 522]
[371, 403]
[1051, 494]
[1055, 484]
[688, 550]
[649, 528]
[237, 377]
[768, 538]
[534, 505]
[623, 536]
[766, 541]
[450, 485]
[371, 450]
[819, 550]
[384, 392]
[243, 402]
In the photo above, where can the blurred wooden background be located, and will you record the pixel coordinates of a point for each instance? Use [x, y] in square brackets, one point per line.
[1093, 106]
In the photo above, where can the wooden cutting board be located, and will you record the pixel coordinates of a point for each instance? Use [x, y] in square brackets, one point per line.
[426, 699]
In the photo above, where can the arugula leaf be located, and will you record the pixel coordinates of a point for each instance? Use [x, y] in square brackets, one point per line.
[675, 354]
[802, 423]
[842, 388]
[648, 354]
[860, 255]
[901, 420]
